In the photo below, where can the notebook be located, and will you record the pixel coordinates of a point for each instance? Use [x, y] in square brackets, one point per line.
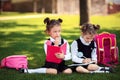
[52, 50]
[82, 64]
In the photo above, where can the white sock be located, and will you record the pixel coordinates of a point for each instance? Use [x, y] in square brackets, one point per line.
[99, 72]
[38, 70]
[106, 68]
[99, 68]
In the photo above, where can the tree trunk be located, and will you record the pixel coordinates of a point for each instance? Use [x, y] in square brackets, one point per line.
[84, 11]
[43, 6]
[54, 6]
[1, 6]
[35, 6]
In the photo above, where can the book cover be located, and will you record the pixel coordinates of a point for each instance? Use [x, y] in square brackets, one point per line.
[52, 50]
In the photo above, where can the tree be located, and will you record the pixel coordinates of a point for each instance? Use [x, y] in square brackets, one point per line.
[43, 6]
[1, 6]
[54, 6]
[35, 6]
[84, 6]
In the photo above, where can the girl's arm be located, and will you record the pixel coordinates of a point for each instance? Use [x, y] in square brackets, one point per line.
[68, 54]
[74, 51]
[94, 54]
[45, 47]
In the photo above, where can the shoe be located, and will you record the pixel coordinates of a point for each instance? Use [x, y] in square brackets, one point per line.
[21, 70]
[99, 72]
[104, 69]
[110, 69]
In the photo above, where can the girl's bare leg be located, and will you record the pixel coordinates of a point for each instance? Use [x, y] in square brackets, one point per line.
[51, 71]
[67, 71]
[80, 69]
[93, 67]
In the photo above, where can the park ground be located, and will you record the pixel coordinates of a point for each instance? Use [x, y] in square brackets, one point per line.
[23, 34]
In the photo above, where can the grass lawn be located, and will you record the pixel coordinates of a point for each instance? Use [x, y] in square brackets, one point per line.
[13, 14]
[26, 36]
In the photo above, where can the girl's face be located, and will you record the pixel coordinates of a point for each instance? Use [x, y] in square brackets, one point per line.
[55, 31]
[88, 37]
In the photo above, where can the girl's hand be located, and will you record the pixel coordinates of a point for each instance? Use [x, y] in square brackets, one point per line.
[87, 60]
[60, 55]
[57, 41]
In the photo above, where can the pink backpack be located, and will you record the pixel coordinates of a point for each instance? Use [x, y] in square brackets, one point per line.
[15, 61]
[107, 50]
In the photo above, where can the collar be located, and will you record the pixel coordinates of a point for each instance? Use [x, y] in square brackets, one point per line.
[83, 41]
[52, 40]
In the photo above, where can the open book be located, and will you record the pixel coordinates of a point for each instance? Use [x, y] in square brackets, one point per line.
[52, 50]
[82, 64]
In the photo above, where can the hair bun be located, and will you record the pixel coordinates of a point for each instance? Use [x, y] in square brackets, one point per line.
[47, 20]
[60, 20]
[97, 27]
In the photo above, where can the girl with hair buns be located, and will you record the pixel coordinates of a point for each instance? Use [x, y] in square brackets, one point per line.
[84, 50]
[53, 29]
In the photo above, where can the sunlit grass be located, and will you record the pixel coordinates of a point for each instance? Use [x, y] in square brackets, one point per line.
[108, 22]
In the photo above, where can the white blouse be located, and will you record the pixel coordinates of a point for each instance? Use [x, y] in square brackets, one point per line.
[67, 55]
[74, 51]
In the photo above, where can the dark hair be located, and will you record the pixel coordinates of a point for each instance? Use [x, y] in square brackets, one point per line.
[90, 28]
[51, 23]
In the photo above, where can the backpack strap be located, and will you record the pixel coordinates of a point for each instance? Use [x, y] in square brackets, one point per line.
[113, 48]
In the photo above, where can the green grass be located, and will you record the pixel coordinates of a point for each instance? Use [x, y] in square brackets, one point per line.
[26, 36]
[13, 13]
